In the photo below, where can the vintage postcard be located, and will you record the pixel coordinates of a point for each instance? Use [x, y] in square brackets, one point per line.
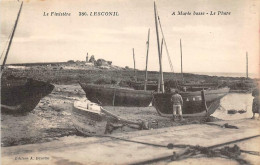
[130, 82]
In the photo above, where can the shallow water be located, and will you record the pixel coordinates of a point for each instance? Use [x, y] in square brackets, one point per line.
[235, 101]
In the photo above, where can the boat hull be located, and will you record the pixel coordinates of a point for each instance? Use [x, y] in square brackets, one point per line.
[111, 96]
[91, 119]
[19, 95]
[140, 85]
[194, 103]
[88, 122]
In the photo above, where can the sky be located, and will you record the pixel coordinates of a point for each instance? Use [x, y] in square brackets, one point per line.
[210, 43]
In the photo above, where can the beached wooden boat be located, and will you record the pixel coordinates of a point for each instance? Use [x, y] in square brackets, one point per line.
[91, 119]
[194, 103]
[20, 94]
[115, 96]
[151, 85]
[191, 87]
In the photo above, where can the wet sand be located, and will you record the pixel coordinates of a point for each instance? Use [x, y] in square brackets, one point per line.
[51, 119]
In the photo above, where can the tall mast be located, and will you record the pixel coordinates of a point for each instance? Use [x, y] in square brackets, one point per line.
[11, 38]
[134, 62]
[162, 48]
[145, 82]
[158, 44]
[246, 65]
[181, 63]
[159, 80]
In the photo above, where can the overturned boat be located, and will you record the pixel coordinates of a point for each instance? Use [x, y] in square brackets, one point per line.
[20, 94]
[91, 119]
[115, 96]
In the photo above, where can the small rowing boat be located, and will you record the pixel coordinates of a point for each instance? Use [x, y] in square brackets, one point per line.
[91, 119]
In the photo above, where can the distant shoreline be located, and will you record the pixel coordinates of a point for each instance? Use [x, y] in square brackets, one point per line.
[227, 74]
[218, 74]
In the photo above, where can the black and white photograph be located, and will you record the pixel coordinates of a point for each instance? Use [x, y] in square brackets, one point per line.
[130, 82]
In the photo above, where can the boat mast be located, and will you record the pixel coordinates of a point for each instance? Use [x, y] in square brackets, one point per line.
[159, 53]
[181, 63]
[134, 62]
[11, 38]
[145, 82]
[246, 65]
[162, 48]
[159, 87]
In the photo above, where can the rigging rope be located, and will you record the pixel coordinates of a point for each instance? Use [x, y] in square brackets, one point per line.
[169, 59]
[203, 150]
[171, 145]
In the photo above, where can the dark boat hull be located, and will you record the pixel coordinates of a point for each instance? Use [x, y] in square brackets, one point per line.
[19, 95]
[140, 85]
[111, 96]
[194, 103]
